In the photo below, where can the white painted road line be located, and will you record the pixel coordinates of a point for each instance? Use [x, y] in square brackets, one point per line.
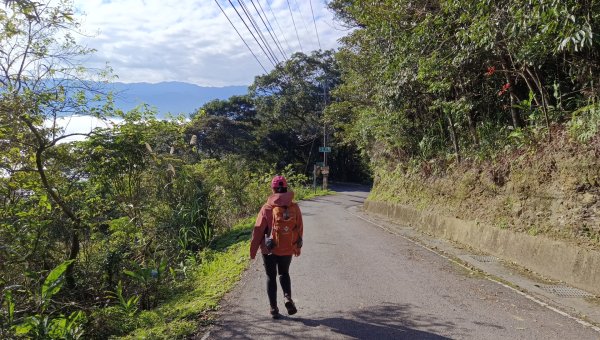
[541, 303]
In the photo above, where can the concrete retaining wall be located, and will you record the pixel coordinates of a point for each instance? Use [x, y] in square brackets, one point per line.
[574, 265]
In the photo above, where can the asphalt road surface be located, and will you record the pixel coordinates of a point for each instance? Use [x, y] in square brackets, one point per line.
[356, 281]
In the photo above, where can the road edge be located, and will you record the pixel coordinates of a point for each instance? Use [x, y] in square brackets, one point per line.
[561, 261]
[491, 278]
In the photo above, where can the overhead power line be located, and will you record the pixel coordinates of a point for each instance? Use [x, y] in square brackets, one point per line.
[278, 25]
[294, 22]
[302, 17]
[315, 22]
[241, 37]
[271, 31]
[253, 36]
[258, 31]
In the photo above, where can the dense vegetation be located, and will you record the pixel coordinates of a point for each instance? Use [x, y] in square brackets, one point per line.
[460, 79]
[96, 233]
[481, 109]
[281, 120]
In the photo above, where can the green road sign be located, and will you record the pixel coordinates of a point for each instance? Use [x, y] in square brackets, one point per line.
[324, 149]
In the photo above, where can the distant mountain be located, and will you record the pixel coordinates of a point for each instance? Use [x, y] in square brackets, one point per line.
[170, 97]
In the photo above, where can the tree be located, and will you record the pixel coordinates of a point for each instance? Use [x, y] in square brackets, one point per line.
[223, 127]
[41, 82]
[235, 108]
[290, 101]
[427, 79]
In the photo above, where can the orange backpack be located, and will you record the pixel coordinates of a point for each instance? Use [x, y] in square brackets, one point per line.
[285, 231]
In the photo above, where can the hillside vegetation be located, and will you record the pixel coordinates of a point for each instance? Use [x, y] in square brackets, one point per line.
[121, 233]
[478, 109]
[484, 110]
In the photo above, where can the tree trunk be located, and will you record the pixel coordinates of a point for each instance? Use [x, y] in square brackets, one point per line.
[540, 87]
[473, 128]
[39, 161]
[454, 138]
[514, 114]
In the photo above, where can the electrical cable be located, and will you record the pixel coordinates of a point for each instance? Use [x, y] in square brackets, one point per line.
[287, 44]
[294, 22]
[253, 36]
[315, 22]
[273, 29]
[276, 41]
[257, 30]
[245, 43]
[302, 17]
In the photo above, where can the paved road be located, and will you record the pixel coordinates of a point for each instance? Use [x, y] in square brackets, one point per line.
[355, 281]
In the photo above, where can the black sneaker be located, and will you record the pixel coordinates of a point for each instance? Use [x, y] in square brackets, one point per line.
[275, 312]
[290, 306]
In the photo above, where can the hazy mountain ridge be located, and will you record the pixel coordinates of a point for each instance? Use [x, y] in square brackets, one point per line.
[169, 97]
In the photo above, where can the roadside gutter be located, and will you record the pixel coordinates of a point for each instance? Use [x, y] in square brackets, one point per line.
[554, 259]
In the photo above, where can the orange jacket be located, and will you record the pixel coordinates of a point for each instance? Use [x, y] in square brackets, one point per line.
[265, 219]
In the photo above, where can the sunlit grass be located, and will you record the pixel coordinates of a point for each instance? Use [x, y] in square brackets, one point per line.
[308, 193]
[221, 266]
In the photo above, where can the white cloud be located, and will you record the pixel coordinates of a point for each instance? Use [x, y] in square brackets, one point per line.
[192, 41]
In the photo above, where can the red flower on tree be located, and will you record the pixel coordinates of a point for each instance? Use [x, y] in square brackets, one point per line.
[490, 71]
[504, 88]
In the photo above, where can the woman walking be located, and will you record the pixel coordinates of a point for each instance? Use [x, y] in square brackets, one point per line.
[278, 233]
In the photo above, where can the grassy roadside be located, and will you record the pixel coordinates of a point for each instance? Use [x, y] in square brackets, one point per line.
[217, 271]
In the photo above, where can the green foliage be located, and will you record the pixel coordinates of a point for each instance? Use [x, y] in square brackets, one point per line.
[147, 280]
[128, 306]
[53, 283]
[454, 78]
[41, 184]
[44, 327]
[7, 312]
[45, 324]
[110, 322]
[225, 127]
[290, 101]
[585, 122]
[221, 265]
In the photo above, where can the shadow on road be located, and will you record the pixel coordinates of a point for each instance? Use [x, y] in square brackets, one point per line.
[388, 321]
[349, 187]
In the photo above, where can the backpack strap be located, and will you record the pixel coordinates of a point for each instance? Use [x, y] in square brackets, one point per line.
[295, 207]
[268, 228]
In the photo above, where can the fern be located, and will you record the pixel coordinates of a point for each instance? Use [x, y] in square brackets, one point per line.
[585, 122]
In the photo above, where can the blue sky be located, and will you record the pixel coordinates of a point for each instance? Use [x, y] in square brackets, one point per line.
[192, 41]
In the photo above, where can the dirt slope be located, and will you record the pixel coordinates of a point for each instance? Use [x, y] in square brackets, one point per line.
[552, 188]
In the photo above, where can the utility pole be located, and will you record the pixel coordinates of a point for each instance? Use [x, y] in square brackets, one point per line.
[325, 149]
[315, 169]
[325, 170]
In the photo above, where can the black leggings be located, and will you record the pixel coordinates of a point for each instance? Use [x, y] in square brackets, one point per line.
[273, 264]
